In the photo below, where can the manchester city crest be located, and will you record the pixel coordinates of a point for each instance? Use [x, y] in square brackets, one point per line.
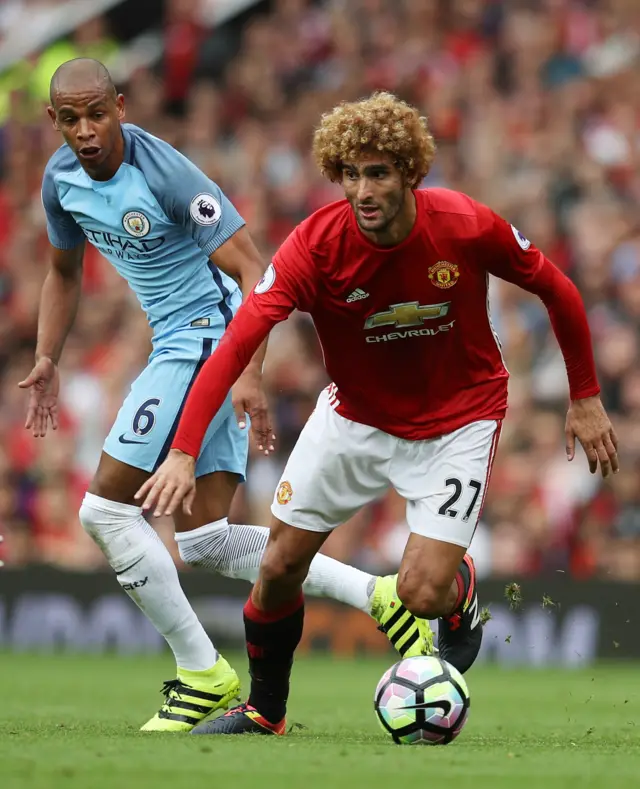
[136, 224]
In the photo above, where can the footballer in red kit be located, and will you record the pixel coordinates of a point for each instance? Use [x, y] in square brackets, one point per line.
[396, 281]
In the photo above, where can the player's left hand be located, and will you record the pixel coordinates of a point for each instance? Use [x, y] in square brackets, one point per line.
[248, 397]
[588, 422]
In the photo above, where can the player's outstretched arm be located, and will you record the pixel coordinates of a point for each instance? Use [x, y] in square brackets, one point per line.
[58, 307]
[587, 420]
[513, 258]
[239, 259]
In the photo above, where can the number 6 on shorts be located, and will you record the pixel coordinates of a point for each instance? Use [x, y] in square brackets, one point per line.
[145, 419]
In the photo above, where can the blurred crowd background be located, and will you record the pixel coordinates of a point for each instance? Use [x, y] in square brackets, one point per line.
[536, 110]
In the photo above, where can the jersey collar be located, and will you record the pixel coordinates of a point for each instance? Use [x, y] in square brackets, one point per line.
[129, 145]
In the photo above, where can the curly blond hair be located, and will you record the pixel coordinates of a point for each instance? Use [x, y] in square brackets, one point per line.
[381, 123]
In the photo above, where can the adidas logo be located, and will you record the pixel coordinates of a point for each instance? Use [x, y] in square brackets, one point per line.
[357, 295]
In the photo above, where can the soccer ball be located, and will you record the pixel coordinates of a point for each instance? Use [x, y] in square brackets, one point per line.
[422, 701]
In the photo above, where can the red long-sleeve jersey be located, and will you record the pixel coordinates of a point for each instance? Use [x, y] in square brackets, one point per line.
[406, 330]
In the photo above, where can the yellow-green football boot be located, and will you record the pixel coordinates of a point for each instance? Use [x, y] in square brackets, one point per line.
[193, 696]
[409, 635]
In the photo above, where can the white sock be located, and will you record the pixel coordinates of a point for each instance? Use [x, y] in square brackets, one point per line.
[328, 577]
[148, 574]
[235, 551]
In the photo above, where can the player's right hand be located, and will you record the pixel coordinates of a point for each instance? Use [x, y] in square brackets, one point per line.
[173, 482]
[44, 384]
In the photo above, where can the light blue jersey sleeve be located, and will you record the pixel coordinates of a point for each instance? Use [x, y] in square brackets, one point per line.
[62, 229]
[186, 195]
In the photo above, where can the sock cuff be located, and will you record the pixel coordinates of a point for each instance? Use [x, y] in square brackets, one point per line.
[254, 614]
[195, 535]
[460, 583]
[107, 505]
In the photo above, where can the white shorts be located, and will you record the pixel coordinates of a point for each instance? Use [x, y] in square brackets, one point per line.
[337, 466]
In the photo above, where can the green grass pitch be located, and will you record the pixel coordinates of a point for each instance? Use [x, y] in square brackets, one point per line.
[71, 722]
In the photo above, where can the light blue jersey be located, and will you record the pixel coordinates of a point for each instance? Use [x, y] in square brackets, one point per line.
[157, 221]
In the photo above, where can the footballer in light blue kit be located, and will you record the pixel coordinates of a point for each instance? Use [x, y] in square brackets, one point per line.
[157, 220]
[187, 255]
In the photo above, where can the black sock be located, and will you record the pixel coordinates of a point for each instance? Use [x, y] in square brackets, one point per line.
[463, 580]
[272, 638]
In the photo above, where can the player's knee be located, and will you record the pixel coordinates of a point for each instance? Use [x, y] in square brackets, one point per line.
[422, 596]
[103, 518]
[90, 518]
[280, 567]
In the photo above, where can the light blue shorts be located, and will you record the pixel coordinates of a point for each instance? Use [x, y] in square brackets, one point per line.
[148, 419]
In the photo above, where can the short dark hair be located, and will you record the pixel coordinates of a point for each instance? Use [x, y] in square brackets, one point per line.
[78, 68]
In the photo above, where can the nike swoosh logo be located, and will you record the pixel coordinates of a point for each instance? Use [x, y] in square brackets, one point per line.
[130, 567]
[124, 440]
[443, 705]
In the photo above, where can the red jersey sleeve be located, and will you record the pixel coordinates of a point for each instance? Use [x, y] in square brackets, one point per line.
[287, 283]
[512, 257]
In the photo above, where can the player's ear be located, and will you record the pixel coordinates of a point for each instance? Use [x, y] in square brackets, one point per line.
[120, 106]
[409, 182]
[54, 118]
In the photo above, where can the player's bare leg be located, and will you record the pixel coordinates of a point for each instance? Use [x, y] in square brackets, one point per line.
[147, 573]
[273, 618]
[437, 580]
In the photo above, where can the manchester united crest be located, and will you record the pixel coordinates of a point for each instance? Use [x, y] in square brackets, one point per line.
[444, 274]
[285, 493]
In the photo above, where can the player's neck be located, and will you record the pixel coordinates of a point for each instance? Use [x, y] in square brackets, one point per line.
[401, 227]
[107, 169]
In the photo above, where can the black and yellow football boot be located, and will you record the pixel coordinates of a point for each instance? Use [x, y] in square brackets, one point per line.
[409, 635]
[193, 696]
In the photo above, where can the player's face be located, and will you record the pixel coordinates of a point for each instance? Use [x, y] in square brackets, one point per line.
[90, 124]
[376, 190]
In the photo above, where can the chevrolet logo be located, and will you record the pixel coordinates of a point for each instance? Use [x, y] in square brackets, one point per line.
[411, 313]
